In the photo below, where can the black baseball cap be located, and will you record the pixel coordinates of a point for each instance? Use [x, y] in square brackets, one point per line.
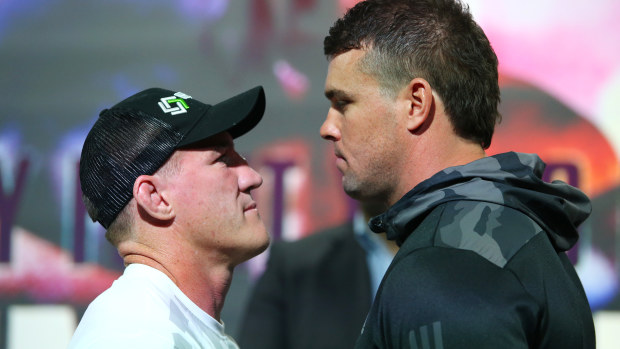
[137, 136]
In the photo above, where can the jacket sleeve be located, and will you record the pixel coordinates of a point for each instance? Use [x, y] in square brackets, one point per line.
[449, 298]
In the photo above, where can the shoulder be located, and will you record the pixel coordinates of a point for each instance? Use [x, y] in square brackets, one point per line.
[142, 309]
[465, 237]
[131, 298]
[116, 316]
[458, 254]
[494, 232]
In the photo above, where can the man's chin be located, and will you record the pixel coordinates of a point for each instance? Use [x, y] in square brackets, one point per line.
[260, 246]
[362, 193]
[354, 191]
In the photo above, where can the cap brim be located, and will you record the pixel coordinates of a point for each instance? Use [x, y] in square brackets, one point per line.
[237, 115]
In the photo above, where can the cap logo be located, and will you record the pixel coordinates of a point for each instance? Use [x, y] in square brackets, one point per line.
[174, 104]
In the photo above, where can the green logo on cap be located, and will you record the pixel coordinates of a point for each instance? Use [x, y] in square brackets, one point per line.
[174, 104]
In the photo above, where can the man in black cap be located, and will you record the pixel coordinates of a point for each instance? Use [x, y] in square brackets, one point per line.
[160, 172]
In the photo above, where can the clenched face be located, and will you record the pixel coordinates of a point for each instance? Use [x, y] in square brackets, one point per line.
[213, 205]
[364, 128]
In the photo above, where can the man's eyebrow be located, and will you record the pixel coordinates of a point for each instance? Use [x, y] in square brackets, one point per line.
[221, 143]
[218, 148]
[336, 94]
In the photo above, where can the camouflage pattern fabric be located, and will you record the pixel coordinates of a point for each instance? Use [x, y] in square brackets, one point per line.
[510, 179]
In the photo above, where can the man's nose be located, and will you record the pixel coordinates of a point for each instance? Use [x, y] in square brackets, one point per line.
[329, 129]
[249, 179]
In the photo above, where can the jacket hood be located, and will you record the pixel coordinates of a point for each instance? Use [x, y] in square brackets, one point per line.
[510, 179]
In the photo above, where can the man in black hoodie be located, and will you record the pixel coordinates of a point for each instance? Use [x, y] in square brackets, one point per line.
[413, 87]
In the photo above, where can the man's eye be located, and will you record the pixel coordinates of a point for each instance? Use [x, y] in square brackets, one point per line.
[224, 158]
[340, 104]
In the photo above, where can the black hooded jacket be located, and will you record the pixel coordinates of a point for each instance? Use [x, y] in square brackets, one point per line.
[482, 262]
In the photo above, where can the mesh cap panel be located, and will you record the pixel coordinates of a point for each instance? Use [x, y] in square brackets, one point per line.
[121, 146]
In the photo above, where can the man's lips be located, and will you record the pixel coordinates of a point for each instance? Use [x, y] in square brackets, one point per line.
[338, 154]
[250, 206]
[340, 161]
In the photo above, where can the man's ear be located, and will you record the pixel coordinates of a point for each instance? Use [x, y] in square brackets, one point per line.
[419, 103]
[147, 190]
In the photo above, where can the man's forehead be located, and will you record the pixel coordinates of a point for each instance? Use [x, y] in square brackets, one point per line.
[344, 74]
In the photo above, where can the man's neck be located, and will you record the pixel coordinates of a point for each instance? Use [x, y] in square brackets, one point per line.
[204, 283]
[431, 158]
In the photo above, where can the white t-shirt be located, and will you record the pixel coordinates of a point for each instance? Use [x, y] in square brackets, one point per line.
[145, 309]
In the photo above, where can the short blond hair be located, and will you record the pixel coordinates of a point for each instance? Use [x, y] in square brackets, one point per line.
[122, 227]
